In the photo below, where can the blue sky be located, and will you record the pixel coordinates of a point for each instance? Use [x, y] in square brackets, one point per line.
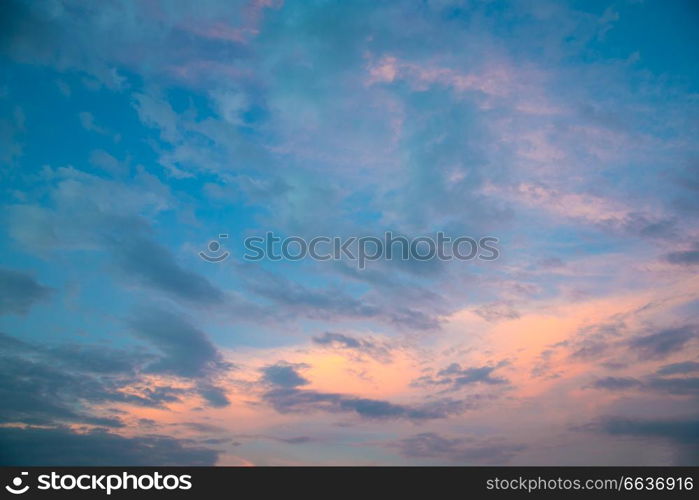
[134, 133]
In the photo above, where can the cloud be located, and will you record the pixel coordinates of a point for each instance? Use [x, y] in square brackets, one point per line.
[329, 338]
[293, 400]
[96, 358]
[19, 292]
[680, 386]
[87, 120]
[203, 427]
[359, 345]
[498, 311]
[36, 394]
[680, 430]
[541, 133]
[296, 440]
[11, 147]
[456, 377]
[107, 163]
[186, 351]
[293, 440]
[682, 433]
[284, 374]
[153, 265]
[462, 451]
[663, 343]
[286, 397]
[65, 383]
[43, 385]
[215, 396]
[688, 386]
[591, 342]
[684, 257]
[617, 383]
[96, 214]
[332, 303]
[63, 446]
[679, 368]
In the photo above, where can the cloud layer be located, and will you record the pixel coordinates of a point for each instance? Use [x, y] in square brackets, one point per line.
[135, 133]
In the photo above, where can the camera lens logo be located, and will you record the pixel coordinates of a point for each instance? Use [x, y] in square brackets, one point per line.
[16, 487]
[214, 247]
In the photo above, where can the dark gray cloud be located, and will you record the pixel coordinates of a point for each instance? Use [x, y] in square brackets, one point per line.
[663, 343]
[98, 359]
[544, 366]
[122, 231]
[679, 368]
[463, 451]
[203, 427]
[296, 440]
[402, 300]
[318, 303]
[683, 433]
[96, 221]
[284, 374]
[359, 345]
[84, 358]
[32, 393]
[40, 388]
[19, 292]
[46, 385]
[463, 376]
[329, 338]
[687, 179]
[684, 257]
[592, 342]
[154, 266]
[293, 400]
[455, 377]
[63, 447]
[186, 350]
[285, 396]
[649, 227]
[49, 384]
[163, 394]
[616, 383]
[683, 386]
[679, 386]
[332, 302]
[215, 396]
[598, 341]
[287, 440]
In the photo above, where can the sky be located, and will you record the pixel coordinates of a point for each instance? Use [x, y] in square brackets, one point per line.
[132, 134]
